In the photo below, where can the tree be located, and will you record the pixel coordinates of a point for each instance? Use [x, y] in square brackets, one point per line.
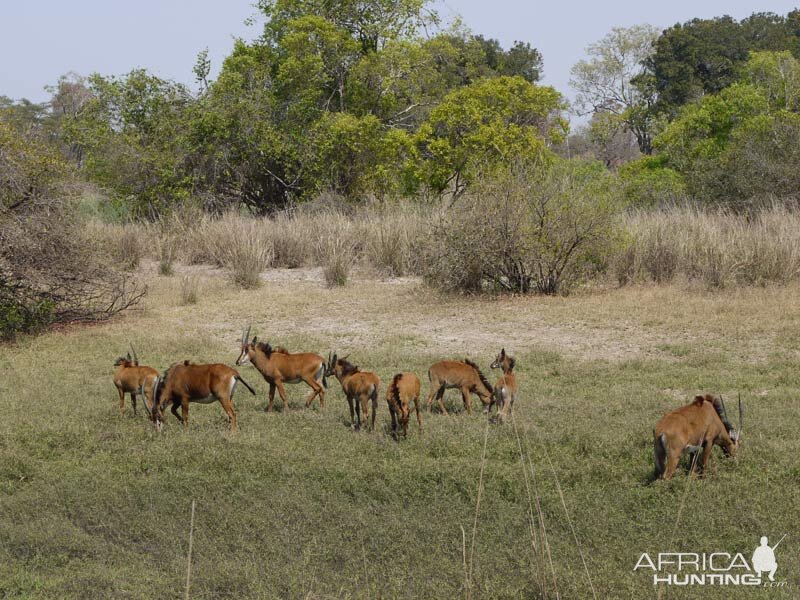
[704, 56]
[131, 135]
[371, 23]
[778, 74]
[605, 82]
[488, 124]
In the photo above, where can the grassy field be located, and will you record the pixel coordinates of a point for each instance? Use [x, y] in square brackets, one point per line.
[296, 505]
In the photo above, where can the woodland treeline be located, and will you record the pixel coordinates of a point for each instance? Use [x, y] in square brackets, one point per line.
[376, 100]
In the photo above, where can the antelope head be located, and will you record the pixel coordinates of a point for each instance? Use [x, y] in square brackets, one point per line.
[735, 433]
[499, 360]
[246, 348]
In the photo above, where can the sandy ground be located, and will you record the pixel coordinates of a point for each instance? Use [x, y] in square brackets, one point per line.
[621, 324]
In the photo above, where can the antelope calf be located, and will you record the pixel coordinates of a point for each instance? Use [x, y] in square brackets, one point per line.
[466, 376]
[505, 390]
[278, 366]
[130, 378]
[403, 389]
[360, 387]
[694, 427]
[187, 382]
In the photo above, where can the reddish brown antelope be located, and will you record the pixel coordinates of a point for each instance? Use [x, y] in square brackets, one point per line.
[133, 379]
[466, 376]
[187, 382]
[505, 390]
[278, 366]
[697, 426]
[399, 395]
[360, 387]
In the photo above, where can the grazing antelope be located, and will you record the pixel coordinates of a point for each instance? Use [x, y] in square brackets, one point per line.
[694, 427]
[188, 382]
[359, 387]
[505, 390]
[403, 389]
[133, 379]
[465, 376]
[278, 366]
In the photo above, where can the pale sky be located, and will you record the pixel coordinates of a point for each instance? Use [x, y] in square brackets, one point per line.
[41, 40]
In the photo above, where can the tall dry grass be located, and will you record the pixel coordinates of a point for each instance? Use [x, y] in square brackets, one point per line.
[716, 246]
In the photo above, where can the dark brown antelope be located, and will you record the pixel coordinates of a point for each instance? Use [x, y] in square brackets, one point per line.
[505, 390]
[466, 376]
[401, 392]
[130, 378]
[697, 426]
[360, 387]
[278, 367]
[187, 382]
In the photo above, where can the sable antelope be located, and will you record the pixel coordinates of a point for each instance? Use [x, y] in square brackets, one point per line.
[465, 376]
[403, 389]
[359, 387]
[693, 427]
[278, 366]
[132, 379]
[505, 390]
[188, 382]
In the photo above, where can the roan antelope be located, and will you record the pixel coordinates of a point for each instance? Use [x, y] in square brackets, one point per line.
[133, 379]
[187, 382]
[505, 390]
[466, 376]
[360, 387]
[694, 427]
[399, 395]
[278, 366]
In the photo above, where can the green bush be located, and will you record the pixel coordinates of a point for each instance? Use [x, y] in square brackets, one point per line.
[540, 230]
[649, 182]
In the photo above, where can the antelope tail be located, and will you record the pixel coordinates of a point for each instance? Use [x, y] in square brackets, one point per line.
[374, 394]
[245, 384]
[660, 453]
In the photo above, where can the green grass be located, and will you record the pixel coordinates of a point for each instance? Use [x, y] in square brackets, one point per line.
[296, 505]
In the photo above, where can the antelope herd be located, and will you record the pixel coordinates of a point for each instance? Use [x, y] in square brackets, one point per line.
[696, 427]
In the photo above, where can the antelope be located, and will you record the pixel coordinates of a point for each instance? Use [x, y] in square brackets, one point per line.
[133, 379]
[359, 387]
[188, 382]
[403, 389]
[505, 390]
[693, 427]
[465, 376]
[278, 366]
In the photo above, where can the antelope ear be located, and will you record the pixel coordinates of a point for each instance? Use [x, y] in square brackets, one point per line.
[129, 355]
[503, 352]
[699, 399]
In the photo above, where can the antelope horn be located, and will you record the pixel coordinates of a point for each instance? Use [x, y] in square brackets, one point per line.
[246, 333]
[741, 417]
[135, 358]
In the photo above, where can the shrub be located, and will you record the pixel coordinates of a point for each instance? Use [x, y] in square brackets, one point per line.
[648, 182]
[50, 271]
[540, 230]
